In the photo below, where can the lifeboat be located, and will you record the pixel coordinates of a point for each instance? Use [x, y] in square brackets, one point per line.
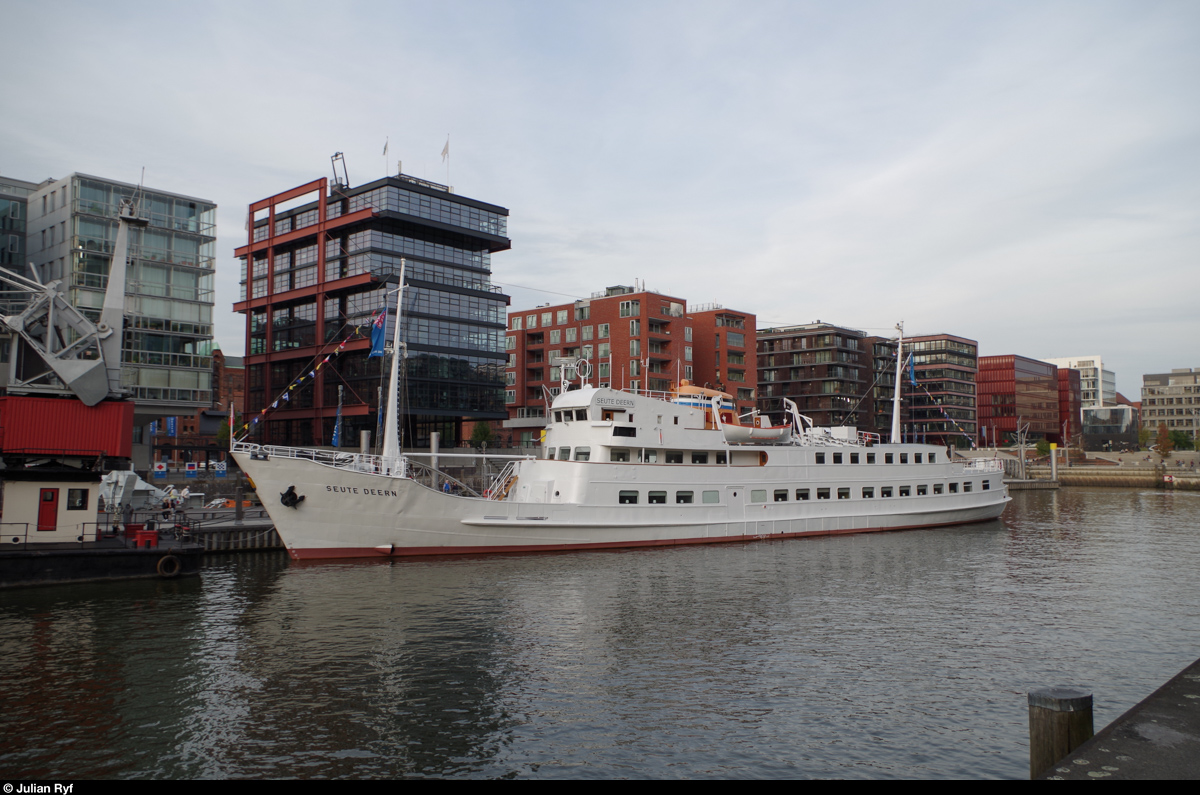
[721, 413]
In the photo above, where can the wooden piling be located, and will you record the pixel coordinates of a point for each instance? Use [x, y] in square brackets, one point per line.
[1060, 720]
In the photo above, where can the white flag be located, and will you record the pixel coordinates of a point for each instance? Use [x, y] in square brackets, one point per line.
[446, 150]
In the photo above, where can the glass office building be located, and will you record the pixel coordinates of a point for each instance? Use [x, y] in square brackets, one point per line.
[322, 260]
[70, 233]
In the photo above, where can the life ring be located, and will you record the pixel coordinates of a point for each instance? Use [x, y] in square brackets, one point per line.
[169, 566]
[583, 369]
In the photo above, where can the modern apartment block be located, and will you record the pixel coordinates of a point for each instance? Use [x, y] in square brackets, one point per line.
[1014, 391]
[940, 407]
[1099, 386]
[632, 339]
[322, 259]
[1070, 406]
[70, 232]
[1172, 399]
[14, 211]
[835, 375]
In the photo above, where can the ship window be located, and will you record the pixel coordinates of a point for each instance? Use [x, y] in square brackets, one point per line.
[922, 491]
[564, 454]
[844, 493]
[684, 497]
[583, 453]
[931, 458]
[966, 487]
[619, 430]
[699, 458]
[854, 458]
[868, 493]
[870, 458]
[822, 494]
[937, 488]
[558, 416]
[888, 458]
[581, 414]
[802, 494]
[904, 458]
[780, 495]
[657, 498]
[916, 458]
[906, 491]
[674, 457]
[820, 458]
[711, 497]
[758, 495]
[619, 454]
[987, 484]
[954, 488]
[676, 420]
[837, 458]
[649, 456]
[549, 453]
[721, 458]
[77, 499]
[627, 498]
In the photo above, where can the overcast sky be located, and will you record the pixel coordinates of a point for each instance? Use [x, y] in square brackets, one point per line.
[1024, 174]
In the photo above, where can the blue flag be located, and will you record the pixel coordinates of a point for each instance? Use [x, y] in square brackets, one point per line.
[337, 428]
[378, 332]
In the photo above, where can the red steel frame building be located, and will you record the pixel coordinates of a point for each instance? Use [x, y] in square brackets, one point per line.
[632, 339]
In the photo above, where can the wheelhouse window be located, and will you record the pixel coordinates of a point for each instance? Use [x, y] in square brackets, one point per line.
[564, 454]
[657, 498]
[627, 498]
[583, 453]
[622, 430]
[77, 499]
[581, 414]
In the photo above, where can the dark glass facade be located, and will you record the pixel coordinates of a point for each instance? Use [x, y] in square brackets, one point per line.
[939, 408]
[309, 281]
[1013, 391]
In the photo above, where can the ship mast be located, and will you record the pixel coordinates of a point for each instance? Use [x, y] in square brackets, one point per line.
[899, 375]
[391, 426]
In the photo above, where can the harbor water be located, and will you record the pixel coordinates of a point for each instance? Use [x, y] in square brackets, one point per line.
[888, 655]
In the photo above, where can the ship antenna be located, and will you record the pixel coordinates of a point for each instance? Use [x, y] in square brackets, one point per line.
[896, 398]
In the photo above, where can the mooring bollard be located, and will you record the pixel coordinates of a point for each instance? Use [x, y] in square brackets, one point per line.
[1060, 720]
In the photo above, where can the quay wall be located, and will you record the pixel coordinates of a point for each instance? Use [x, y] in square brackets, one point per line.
[1131, 477]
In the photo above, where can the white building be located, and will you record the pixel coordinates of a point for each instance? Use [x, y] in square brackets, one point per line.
[1099, 386]
[1172, 399]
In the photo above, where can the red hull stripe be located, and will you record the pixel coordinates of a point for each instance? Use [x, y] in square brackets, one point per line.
[325, 553]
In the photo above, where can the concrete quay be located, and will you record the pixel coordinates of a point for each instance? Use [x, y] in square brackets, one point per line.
[1158, 738]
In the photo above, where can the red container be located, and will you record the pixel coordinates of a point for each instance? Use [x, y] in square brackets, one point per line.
[66, 426]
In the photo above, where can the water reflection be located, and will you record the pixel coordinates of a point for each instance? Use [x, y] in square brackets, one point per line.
[892, 655]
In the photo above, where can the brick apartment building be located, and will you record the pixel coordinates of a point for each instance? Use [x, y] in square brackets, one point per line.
[632, 339]
[835, 375]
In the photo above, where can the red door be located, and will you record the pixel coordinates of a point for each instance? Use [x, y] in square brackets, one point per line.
[48, 510]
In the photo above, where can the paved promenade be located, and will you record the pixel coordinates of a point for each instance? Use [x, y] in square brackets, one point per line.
[1157, 739]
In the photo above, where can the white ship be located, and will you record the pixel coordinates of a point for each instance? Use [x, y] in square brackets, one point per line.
[620, 469]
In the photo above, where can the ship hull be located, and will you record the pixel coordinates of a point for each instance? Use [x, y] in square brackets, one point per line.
[352, 514]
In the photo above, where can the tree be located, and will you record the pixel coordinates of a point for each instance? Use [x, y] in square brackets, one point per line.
[482, 433]
[1165, 445]
[1181, 440]
[1043, 447]
[1143, 437]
